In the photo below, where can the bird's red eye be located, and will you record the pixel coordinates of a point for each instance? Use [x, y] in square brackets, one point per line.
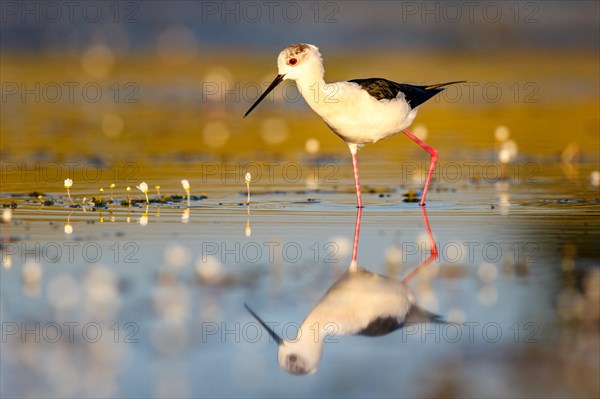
[293, 61]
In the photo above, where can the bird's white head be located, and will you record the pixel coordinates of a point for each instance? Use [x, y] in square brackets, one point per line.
[297, 61]
[299, 356]
[300, 60]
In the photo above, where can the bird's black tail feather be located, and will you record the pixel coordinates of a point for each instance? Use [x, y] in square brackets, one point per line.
[418, 315]
[417, 95]
[440, 85]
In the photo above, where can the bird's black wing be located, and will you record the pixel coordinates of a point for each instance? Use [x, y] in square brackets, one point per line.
[417, 315]
[381, 326]
[383, 89]
[385, 325]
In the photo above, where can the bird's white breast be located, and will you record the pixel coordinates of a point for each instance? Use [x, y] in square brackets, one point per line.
[360, 297]
[357, 117]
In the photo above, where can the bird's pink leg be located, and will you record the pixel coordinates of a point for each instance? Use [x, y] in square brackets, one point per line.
[356, 180]
[356, 235]
[434, 156]
[434, 251]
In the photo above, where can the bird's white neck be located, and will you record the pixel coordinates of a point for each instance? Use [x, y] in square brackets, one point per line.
[315, 91]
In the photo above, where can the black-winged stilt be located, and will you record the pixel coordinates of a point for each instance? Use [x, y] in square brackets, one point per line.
[360, 302]
[360, 111]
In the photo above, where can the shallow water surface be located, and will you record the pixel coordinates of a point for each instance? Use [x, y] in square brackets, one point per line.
[149, 301]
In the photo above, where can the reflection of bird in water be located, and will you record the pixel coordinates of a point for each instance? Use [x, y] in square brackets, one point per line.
[359, 111]
[360, 302]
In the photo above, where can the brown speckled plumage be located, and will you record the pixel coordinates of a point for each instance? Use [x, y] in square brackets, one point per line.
[297, 48]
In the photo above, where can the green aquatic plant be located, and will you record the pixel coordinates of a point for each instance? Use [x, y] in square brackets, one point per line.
[143, 187]
[68, 184]
[248, 179]
[45, 202]
[112, 186]
[186, 186]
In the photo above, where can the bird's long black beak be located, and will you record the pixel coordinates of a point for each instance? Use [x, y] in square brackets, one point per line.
[272, 333]
[273, 85]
